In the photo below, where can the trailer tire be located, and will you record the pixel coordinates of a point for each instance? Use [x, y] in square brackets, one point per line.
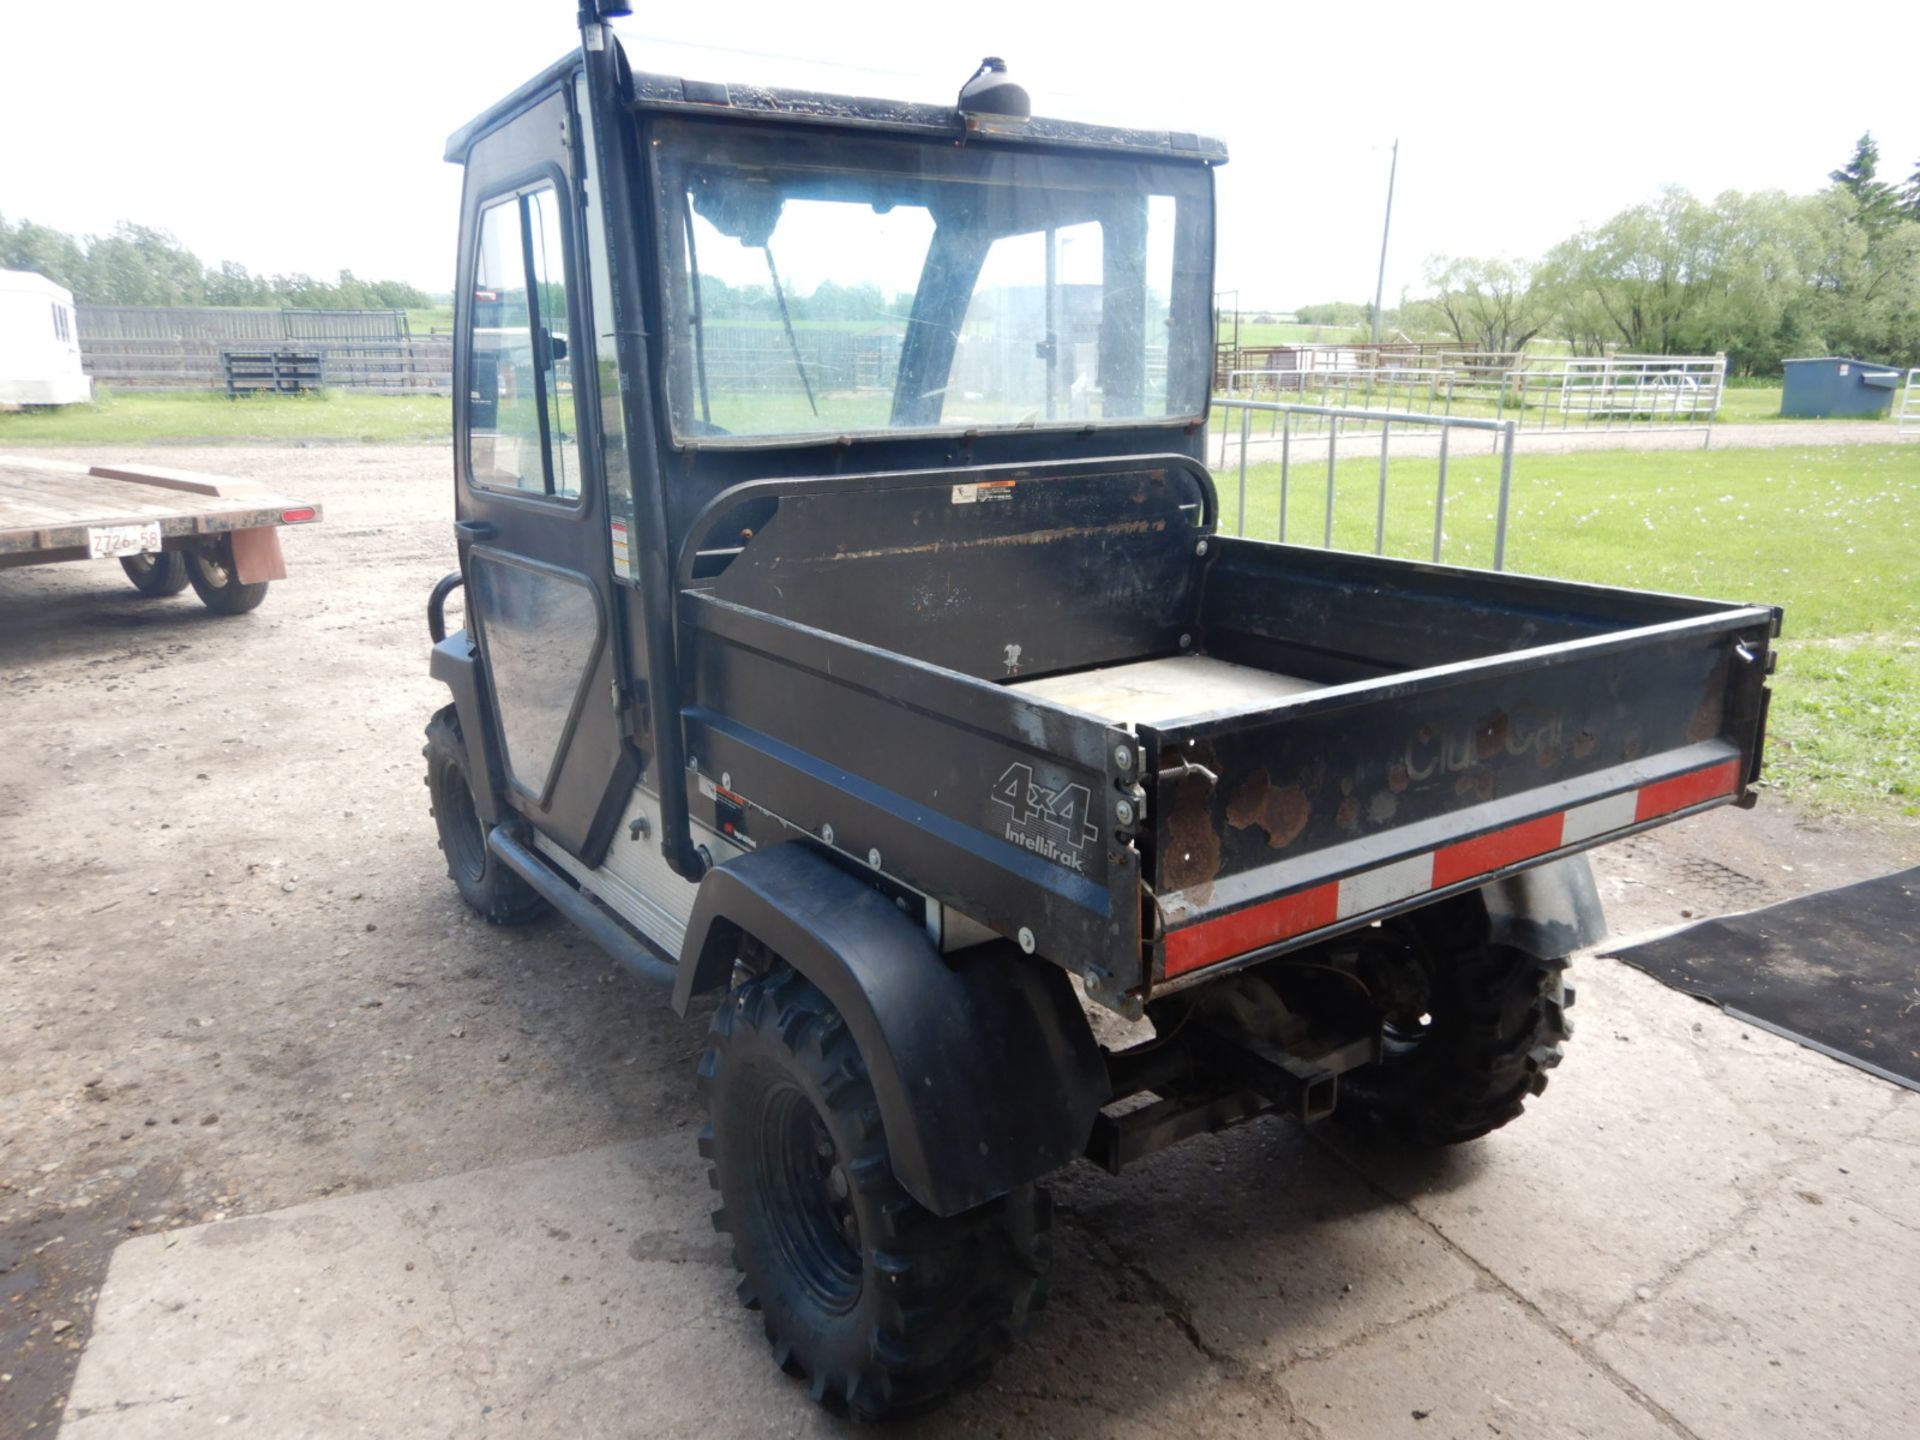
[1496, 1023]
[219, 588]
[884, 1307]
[499, 896]
[156, 576]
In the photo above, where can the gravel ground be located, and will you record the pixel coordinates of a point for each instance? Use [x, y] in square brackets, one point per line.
[233, 975]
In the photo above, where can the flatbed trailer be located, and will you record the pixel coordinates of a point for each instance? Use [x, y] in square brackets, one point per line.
[168, 528]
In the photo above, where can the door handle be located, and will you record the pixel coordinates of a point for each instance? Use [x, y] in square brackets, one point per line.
[474, 529]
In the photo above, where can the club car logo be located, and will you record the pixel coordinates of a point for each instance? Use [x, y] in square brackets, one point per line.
[1051, 823]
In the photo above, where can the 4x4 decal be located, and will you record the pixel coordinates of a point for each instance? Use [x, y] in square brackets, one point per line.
[1056, 824]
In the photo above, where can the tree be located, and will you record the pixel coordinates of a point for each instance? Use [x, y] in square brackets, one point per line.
[1627, 282]
[1862, 284]
[1337, 312]
[27, 246]
[1758, 276]
[139, 265]
[231, 284]
[1879, 202]
[1488, 304]
[1860, 170]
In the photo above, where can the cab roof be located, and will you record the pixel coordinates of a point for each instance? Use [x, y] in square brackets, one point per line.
[672, 93]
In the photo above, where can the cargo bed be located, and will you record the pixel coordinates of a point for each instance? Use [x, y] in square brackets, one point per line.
[1451, 726]
[1313, 740]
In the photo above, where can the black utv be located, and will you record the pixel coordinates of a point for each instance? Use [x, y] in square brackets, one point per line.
[850, 636]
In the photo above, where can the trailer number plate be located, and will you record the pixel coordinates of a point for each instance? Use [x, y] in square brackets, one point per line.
[110, 542]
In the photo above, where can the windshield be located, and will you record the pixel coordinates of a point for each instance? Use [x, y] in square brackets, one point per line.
[837, 285]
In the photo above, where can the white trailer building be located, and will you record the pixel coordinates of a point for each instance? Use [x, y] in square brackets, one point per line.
[39, 343]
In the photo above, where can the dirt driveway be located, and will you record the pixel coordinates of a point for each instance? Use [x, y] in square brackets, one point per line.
[234, 979]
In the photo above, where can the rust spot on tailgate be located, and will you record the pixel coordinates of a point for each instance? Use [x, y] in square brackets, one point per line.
[1190, 855]
[1475, 785]
[1281, 811]
[1710, 713]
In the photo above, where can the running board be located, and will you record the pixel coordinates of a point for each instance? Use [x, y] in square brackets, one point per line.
[576, 905]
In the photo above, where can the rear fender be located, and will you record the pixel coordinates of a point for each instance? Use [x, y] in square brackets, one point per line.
[1547, 912]
[983, 1063]
[456, 664]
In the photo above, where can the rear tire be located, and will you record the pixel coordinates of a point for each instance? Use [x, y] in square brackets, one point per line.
[496, 894]
[219, 588]
[884, 1307]
[1470, 1041]
[156, 576]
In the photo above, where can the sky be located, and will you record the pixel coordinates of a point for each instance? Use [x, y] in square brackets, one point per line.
[309, 137]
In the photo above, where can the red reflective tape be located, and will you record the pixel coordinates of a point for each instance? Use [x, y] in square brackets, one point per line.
[297, 517]
[1485, 853]
[1663, 797]
[1233, 934]
[1249, 929]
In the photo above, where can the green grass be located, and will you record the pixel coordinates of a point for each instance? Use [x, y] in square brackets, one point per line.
[1829, 532]
[198, 415]
[424, 320]
[1749, 404]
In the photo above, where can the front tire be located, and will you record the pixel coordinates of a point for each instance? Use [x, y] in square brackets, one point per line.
[214, 580]
[1471, 1031]
[496, 894]
[884, 1307]
[156, 576]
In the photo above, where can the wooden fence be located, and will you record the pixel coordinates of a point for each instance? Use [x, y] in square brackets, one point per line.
[412, 366]
[236, 322]
[147, 347]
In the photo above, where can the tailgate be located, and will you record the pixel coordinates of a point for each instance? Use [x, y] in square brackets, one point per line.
[1275, 826]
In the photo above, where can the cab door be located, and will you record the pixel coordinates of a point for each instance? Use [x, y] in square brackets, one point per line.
[531, 501]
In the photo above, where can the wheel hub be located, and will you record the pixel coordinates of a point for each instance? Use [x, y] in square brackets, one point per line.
[809, 1200]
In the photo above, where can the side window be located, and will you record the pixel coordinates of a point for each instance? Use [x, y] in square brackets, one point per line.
[520, 401]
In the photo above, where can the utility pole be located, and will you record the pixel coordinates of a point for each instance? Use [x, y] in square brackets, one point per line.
[1380, 285]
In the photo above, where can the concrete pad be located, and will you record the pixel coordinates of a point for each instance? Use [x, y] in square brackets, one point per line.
[1481, 1366]
[1275, 1249]
[575, 1293]
[1664, 1125]
[579, 1296]
[1802, 1322]
[1640, 1254]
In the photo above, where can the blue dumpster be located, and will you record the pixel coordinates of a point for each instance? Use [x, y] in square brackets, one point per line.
[1834, 385]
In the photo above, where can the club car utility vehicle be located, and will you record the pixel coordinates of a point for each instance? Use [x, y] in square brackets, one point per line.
[849, 639]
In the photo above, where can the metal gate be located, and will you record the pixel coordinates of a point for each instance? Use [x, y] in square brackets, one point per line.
[1302, 433]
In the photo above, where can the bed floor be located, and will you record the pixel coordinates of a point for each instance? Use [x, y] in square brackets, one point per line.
[1152, 692]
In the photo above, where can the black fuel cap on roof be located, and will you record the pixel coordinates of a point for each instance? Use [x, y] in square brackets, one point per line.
[991, 92]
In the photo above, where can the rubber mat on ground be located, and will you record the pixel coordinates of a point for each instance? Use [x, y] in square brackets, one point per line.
[1839, 971]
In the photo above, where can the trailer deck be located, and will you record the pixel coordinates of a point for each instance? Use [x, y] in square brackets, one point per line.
[52, 510]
